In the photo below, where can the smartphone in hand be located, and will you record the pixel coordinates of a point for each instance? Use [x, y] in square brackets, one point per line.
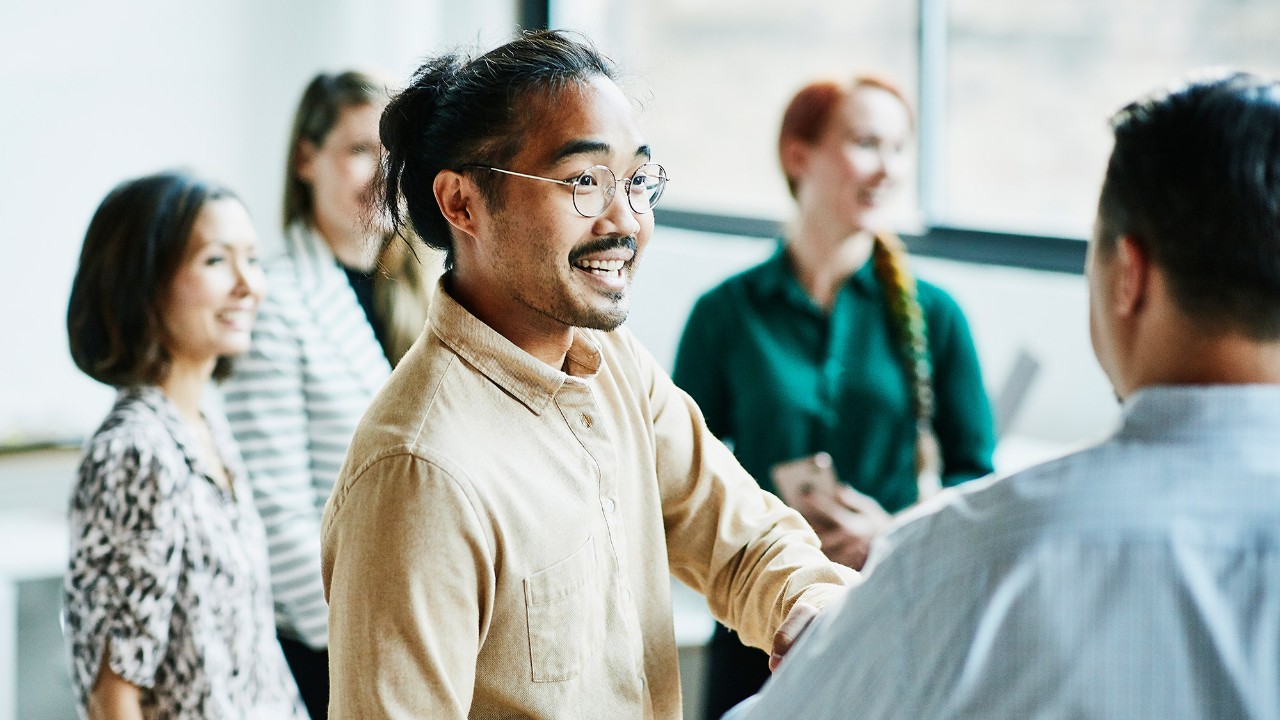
[844, 519]
[807, 484]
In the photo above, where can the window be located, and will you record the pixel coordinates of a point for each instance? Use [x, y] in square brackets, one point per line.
[1015, 102]
[715, 75]
[1029, 88]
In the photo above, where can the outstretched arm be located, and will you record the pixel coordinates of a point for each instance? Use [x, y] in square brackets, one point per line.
[752, 556]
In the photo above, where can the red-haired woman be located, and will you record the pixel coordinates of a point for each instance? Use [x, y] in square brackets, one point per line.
[831, 353]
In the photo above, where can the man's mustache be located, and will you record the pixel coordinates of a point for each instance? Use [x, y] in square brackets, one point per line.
[603, 244]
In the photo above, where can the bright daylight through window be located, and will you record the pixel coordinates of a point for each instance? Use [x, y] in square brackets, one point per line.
[1019, 116]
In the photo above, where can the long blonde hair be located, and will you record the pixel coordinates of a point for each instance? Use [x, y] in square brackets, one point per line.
[408, 271]
[407, 268]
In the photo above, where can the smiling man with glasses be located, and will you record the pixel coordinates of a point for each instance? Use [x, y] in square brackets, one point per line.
[501, 539]
[595, 187]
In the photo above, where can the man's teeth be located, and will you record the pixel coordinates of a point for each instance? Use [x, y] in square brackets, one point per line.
[602, 265]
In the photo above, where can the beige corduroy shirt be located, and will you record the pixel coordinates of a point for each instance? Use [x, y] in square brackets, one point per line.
[502, 535]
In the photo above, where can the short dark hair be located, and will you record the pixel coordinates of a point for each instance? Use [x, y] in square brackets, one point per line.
[132, 250]
[1194, 178]
[324, 99]
[459, 111]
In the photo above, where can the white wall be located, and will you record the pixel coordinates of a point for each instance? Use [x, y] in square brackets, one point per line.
[95, 92]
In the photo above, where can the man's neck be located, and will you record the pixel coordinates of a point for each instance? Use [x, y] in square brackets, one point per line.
[548, 341]
[1209, 359]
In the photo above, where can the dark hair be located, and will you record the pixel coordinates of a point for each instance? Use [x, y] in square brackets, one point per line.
[132, 251]
[460, 110]
[1194, 178]
[323, 100]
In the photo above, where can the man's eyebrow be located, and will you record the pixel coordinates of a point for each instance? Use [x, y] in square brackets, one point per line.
[581, 147]
[593, 147]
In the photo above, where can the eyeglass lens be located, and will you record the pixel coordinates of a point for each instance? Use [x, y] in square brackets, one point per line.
[596, 187]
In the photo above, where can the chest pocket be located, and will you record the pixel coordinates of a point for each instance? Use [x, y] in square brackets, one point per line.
[558, 604]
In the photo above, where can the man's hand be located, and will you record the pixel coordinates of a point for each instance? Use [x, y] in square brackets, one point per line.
[847, 526]
[789, 631]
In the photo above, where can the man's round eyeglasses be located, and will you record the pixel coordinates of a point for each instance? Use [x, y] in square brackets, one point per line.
[593, 190]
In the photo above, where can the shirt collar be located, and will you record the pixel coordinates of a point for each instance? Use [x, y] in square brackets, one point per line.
[154, 399]
[775, 278]
[528, 379]
[1200, 412]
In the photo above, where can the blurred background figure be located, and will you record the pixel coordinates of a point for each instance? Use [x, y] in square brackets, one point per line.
[347, 300]
[167, 599]
[1137, 577]
[831, 358]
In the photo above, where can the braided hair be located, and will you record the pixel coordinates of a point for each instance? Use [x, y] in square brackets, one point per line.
[889, 260]
[806, 118]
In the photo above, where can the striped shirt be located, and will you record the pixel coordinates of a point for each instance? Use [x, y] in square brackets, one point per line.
[293, 404]
[1137, 579]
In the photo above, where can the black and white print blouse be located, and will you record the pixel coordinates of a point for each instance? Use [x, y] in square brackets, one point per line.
[172, 569]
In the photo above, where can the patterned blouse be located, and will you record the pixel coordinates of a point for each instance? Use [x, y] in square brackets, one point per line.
[172, 569]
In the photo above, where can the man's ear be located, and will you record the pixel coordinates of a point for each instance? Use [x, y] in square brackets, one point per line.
[305, 161]
[457, 197]
[1132, 276]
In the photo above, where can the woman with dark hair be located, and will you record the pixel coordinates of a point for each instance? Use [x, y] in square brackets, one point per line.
[831, 359]
[348, 298]
[168, 602]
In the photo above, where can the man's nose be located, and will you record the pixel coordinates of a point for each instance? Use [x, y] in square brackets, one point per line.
[620, 215]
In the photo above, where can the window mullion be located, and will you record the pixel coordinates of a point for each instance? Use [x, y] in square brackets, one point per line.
[931, 176]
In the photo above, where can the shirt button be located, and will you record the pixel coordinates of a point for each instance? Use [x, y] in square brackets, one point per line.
[609, 505]
[586, 420]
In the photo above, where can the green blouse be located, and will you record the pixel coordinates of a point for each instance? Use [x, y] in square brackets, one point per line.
[778, 378]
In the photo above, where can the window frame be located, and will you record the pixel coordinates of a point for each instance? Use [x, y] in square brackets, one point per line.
[963, 244]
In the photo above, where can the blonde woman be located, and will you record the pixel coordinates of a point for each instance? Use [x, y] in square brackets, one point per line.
[347, 300]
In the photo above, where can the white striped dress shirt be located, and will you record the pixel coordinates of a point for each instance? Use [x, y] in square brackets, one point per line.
[293, 403]
[1137, 579]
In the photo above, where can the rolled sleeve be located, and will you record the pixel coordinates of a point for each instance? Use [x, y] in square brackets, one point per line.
[125, 563]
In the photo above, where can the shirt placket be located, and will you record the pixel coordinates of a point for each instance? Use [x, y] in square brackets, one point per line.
[832, 369]
[589, 423]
